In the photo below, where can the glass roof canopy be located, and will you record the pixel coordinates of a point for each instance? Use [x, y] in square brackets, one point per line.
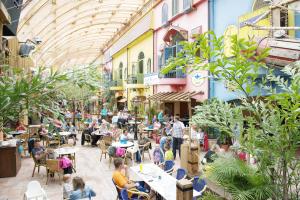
[73, 32]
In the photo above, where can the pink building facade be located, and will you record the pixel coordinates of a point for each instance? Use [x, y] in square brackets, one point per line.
[175, 21]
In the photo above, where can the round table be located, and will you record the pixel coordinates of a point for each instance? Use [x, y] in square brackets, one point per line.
[65, 133]
[15, 133]
[65, 151]
[119, 144]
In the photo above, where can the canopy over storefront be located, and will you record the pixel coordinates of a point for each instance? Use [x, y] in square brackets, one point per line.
[73, 32]
[174, 96]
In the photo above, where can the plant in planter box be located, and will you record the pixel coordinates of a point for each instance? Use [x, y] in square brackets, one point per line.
[273, 124]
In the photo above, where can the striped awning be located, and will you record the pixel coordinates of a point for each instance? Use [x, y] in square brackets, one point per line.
[173, 96]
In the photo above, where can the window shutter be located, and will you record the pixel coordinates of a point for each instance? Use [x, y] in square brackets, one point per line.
[168, 53]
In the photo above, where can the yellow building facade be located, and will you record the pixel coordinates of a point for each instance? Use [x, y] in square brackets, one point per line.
[131, 62]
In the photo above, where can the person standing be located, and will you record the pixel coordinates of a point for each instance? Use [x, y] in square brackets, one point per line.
[104, 112]
[177, 134]
[160, 116]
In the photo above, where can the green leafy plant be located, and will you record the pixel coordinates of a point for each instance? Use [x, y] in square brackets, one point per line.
[242, 181]
[267, 126]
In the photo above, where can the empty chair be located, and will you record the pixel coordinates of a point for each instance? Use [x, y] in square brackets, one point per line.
[199, 186]
[52, 168]
[181, 174]
[35, 191]
[169, 166]
[103, 148]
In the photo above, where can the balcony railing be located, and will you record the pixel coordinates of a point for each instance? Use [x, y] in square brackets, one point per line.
[136, 79]
[176, 73]
[117, 83]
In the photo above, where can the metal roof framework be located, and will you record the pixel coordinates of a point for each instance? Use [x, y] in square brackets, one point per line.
[174, 96]
[73, 32]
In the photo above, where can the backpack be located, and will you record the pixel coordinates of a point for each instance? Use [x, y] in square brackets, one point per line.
[111, 151]
[120, 152]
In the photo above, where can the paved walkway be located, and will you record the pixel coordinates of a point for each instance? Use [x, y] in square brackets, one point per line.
[96, 174]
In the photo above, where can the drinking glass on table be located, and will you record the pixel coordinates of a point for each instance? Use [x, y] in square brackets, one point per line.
[141, 167]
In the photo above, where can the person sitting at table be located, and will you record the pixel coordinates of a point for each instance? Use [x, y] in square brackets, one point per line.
[86, 131]
[156, 125]
[20, 127]
[120, 177]
[80, 190]
[168, 152]
[165, 139]
[38, 152]
[154, 119]
[70, 127]
[114, 119]
[168, 129]
[43, 132]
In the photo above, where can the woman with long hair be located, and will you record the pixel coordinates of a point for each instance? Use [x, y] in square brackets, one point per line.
[80, 190]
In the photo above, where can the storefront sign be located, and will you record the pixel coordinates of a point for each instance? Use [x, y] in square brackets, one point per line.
[198, 79]
[151, 79]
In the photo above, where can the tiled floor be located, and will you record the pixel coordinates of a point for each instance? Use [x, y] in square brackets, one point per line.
[96, 174]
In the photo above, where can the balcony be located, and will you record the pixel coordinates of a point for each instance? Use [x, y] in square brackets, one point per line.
[116, 85]
[174, 77]
[135, 81]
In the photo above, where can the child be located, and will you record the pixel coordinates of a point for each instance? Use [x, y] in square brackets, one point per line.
[168, 152]
[66, 164]
[67, 187]
[157, 155]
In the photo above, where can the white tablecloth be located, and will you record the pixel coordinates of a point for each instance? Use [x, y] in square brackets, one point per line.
[119, 144]
[157, 179]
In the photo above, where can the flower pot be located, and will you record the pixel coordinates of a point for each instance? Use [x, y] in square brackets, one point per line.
[225, 147]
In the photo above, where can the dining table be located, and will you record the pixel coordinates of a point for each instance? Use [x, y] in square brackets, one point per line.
[65, 151]
[157, 179]
[122, 145]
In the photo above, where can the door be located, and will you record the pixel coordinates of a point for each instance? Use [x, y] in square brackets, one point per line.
[169, 109]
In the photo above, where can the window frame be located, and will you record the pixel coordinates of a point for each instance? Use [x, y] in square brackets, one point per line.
[165, 13]
[175, 7]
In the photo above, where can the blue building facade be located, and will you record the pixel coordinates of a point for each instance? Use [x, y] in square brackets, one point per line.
[222, 14]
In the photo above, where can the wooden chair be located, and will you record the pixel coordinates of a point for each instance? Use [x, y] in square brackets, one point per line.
[145, 148]
[52, 168]
[88, 139]
[107, 140]
[37, 164]
[103, 149]
[55, 141]
[72, 157]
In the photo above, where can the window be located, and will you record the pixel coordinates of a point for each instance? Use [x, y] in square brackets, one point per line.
[141, 62]
[164, 14]
[175, 5]
[187, 4]
[149, 65]
[133, 69]
[121, 70]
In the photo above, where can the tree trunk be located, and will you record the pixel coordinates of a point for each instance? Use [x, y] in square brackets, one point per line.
[285, 180]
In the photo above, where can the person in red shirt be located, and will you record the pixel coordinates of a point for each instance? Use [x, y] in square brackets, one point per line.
[20, 127]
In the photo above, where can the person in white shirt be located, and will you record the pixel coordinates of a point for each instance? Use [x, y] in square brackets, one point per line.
[177, 134]
[67, 186]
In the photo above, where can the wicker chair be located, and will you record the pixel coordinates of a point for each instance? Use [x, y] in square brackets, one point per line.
[52, 168]
[37, 164]
[103, 149]
[145, 148]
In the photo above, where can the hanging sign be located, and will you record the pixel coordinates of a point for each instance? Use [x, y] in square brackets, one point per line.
[198, 79]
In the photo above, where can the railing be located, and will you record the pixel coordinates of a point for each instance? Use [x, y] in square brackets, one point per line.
[117, 83]
[176, 73]
[136, 79]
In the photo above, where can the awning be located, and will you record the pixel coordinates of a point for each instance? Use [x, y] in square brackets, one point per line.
[174, 96]
[122, 100]
[172, 31]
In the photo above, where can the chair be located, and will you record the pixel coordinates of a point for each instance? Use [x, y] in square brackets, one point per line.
[169, 166]
[103, 149]
[88, 138]
[199, 187]
[55, 141]
[37, 164]
[181, 173]
[34, 191]
[145, 148]
[107, 139]
[72, 157]
[53, 167]
[123, 195]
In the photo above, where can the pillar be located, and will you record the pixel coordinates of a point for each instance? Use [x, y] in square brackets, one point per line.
[184, 190]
